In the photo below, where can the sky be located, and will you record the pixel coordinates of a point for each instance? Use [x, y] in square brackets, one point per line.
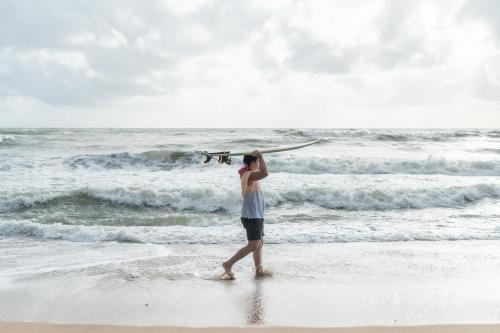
[205, 63]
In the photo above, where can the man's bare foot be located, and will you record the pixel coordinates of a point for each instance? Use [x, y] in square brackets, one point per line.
[227, 271]
[262, 272]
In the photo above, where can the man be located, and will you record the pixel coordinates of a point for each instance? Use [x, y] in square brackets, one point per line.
[252, 214]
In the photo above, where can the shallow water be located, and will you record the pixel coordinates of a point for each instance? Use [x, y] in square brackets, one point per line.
[322, 285]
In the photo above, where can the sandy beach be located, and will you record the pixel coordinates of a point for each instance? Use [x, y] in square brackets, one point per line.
[328, 285]
[60, 328]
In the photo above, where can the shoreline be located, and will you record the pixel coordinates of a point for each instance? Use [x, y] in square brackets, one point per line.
[328, 285]
[29, 327]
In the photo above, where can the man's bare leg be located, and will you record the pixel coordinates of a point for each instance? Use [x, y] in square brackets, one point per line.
[257, 254]
[257, 257]
[240, 254]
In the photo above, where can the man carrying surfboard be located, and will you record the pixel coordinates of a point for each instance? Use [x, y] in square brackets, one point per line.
[252, 213]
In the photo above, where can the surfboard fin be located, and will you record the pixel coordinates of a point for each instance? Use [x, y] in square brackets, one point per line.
[225, 159]
[221, 158]
[208, 157]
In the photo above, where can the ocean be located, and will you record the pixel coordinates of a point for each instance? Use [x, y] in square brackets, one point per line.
[150, 185]
[74, 200]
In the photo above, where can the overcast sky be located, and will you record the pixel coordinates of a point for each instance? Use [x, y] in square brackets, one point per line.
[371, 63]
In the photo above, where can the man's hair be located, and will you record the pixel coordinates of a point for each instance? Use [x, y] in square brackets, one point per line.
[247, 159]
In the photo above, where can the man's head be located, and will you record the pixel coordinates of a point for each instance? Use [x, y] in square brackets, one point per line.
[251, 161]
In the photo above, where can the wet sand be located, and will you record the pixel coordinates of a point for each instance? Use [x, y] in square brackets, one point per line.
[321, 285]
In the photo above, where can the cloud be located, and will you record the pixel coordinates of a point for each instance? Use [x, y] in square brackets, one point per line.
[211, 62]
[485, 11]
[330, 37]
[82, 53]
[310, 55]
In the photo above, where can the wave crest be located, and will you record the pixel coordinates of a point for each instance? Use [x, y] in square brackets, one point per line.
[162, 159]
[387, 135]
[208, 200]
[198, 199]
[367, 199]
[354, 165]
[7, 140]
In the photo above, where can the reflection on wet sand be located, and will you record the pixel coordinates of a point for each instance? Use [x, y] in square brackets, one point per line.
[256, 305]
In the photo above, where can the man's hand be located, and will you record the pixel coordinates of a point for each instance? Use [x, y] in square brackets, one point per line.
[257, 153]
[258, 174]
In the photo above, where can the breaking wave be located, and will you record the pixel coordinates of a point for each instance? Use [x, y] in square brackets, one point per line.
[77, 233]
[387, 135]
[353, 165]
[339, 232]
[208, 199]
[7, 140]
[162, 159]
[375, 199]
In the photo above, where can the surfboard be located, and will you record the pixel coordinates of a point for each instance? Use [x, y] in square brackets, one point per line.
[225, 156]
